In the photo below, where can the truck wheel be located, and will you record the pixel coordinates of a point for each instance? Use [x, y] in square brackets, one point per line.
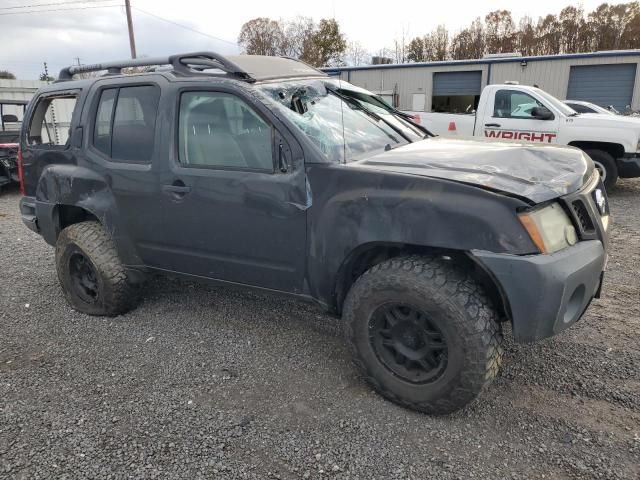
[606, 166]
[423, 333]
[93, 279]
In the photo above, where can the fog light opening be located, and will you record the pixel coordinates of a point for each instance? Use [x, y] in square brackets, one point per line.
[574, 305]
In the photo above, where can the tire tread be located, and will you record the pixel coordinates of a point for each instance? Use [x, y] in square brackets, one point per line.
[481, 326]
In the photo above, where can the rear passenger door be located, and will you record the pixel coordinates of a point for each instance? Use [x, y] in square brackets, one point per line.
[122, 138]
[234, 196]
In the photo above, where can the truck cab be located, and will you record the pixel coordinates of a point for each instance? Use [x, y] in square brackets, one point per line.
[512, 112]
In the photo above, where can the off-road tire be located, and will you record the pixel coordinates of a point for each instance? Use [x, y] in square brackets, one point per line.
[115, 294]
[606, 162]
[455, 302]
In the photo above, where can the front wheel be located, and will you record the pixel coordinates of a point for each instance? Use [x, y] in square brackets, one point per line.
[423, 333]
[606, 166]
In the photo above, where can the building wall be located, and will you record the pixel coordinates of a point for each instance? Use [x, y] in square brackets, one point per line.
[407, 80]
[553, 75]
[550, 75]
[19, 89]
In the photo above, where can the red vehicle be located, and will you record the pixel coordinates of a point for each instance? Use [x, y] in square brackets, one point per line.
[11, 114]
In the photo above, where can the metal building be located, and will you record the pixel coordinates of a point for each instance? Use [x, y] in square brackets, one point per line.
[605, 78]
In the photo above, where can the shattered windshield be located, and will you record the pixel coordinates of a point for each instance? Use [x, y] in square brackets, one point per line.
[340, 127]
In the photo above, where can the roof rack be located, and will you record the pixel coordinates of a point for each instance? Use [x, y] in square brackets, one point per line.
[183, 63]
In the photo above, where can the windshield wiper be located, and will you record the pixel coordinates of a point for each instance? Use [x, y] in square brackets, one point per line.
[371, 113]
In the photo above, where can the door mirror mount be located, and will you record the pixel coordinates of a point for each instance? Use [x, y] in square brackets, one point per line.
[541, 113]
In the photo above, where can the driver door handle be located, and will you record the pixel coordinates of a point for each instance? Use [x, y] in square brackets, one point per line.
[492, 125]
[177, 189]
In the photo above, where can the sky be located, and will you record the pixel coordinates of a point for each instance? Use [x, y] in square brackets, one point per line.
[59, 37]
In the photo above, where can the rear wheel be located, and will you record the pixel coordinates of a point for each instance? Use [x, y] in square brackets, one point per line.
[606, 166]
[423, 333]
[93, 279]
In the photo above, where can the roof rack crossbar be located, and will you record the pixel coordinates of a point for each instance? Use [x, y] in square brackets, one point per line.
[184, 63]
[67, 73]
[195, 63]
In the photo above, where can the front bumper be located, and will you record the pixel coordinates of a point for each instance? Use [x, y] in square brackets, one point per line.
[547, 293]
[629, 165]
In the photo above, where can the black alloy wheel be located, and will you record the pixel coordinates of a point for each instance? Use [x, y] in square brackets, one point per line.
[408, 343]
[84, 279]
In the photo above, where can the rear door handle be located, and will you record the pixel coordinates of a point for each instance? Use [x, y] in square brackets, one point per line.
[492, 125]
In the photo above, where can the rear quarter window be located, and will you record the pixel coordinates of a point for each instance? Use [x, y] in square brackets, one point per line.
[125, 123]
[50, 125]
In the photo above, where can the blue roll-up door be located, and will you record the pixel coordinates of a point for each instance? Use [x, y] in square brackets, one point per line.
[603, 85]
[457, 83]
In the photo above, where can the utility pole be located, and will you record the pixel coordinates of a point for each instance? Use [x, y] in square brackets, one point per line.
[132, 40]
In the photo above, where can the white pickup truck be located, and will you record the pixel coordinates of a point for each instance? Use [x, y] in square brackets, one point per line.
[528, 114]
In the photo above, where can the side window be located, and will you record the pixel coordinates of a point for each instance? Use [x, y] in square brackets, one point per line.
[514, 104]
[580, 108]
[51, 122]
[102, 128]
[221, 130]
[127, 134]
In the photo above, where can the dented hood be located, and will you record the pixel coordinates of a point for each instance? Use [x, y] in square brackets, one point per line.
[535, 172]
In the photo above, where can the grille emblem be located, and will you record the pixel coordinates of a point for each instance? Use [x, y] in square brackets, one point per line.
[601, 201]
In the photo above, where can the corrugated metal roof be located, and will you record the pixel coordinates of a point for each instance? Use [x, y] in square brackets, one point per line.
[484, 61]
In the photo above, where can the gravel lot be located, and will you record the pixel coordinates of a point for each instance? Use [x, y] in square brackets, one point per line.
[202, 382]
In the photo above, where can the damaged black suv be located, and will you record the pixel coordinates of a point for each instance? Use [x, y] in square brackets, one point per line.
[264, 172]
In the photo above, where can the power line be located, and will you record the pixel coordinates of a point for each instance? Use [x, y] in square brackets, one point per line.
[60, 9]
[52, 4]
[183, 26]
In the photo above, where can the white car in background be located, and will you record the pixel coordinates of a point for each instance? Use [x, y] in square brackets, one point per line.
[587, 107]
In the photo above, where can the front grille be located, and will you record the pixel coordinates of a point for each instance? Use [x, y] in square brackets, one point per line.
[582, 216]
[584, 211]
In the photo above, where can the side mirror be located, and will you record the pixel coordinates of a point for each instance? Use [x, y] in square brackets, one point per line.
[541, 113]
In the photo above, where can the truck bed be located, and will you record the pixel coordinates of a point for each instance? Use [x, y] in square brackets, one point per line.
[447, 123]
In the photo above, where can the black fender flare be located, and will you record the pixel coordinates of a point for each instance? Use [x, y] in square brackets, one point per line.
[71, 185]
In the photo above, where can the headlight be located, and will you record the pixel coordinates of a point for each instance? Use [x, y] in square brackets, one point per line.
[550, 228]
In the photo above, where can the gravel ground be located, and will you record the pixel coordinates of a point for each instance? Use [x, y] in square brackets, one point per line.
[202, 382]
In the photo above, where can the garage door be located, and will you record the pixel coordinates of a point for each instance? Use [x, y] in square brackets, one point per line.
[457, 83]
[603, 84]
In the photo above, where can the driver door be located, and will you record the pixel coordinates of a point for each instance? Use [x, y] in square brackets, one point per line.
[513, 119]
[233, 201]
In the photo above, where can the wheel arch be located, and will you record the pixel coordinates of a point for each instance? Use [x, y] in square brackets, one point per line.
[365, 256]
[70, 194]
[65, 215]
[616, 150]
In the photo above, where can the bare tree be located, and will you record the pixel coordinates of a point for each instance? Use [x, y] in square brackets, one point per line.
[261, 36]
[526, 42]
[356, 54]
[440, 43]
[548, 35]
[297, 37]
[571, 23]
[500, 31]
[400, 48]
[416, 50]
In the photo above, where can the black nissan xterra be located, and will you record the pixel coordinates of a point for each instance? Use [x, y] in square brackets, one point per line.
[264, 172]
